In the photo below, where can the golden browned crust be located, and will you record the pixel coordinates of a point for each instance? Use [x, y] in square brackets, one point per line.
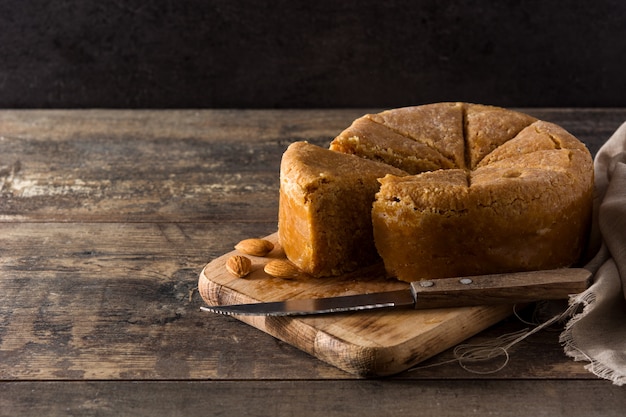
[487, 127]
[324, 219]
[379, 142]
[525, 205]
[492, 190]
[438, 125]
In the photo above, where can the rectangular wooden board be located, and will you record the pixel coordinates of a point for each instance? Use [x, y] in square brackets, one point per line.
[365, 343]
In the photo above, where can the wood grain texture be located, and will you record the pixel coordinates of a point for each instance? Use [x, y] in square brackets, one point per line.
[369, 343]
[314, 398]
[149, 165]
[108, 217]
[111, 301]
[517, 287]
[206, 165]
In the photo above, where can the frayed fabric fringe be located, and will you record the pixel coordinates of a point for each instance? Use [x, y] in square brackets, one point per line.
[585, 301]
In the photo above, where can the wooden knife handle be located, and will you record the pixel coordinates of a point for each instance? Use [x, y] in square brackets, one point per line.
[510, 288]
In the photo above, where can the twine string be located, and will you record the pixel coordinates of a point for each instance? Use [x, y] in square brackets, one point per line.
[472, 353]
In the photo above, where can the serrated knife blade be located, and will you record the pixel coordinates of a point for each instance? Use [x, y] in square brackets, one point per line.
[509, 288]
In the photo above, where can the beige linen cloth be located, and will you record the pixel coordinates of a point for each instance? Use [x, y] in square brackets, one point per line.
[597, 332]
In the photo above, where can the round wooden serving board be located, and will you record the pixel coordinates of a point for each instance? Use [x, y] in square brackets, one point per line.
[365, 343]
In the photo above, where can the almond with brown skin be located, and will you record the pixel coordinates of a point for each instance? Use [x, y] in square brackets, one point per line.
[239, 266]
[255, 247]
[281, 269]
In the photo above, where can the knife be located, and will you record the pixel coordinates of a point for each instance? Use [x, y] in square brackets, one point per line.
[509, 288]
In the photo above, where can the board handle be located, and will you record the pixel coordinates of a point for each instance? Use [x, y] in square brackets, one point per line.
[509, 288]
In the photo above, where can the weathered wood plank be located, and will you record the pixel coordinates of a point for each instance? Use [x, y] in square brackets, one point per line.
[146, 166]
[314, 398]
[108, 217]
[111, 301]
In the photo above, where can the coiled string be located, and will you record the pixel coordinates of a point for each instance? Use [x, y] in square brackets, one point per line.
[473, 353]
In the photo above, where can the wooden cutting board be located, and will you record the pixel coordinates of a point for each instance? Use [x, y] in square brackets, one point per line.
[366, 343]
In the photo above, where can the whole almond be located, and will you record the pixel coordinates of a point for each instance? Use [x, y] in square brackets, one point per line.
[255, 247]
[281, 269]
[238, 265]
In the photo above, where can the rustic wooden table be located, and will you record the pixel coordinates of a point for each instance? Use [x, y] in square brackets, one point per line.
[106, 220]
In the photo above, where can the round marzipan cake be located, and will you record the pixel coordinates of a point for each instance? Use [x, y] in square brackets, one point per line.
[439, 190]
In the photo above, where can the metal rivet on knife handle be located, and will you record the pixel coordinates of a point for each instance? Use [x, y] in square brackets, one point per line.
[519, 287]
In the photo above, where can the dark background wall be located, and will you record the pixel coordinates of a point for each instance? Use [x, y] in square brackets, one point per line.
[275, 54]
